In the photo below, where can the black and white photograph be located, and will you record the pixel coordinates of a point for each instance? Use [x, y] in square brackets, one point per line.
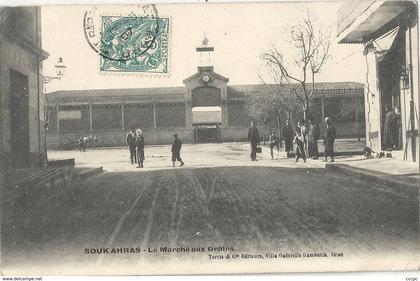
[209, 138]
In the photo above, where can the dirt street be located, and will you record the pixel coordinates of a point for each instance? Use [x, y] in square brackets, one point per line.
[219, 198]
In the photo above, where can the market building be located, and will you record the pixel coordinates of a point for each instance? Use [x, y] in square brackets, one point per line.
[389, 32]
[21, 103]
[207, 109]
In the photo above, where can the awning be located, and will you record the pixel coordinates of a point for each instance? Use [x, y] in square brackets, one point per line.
[363, 23]
[207, 115]
[384, 43]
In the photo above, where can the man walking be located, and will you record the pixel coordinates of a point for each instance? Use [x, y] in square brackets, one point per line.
[176, 150]
[140, 147]
[131, 142]
[254, 139]
[274, 141]
[329, 139]
[299, 141]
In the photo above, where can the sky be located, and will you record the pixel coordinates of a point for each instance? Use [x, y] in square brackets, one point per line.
[240, 33]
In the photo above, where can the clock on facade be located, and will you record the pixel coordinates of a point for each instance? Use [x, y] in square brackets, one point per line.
[205, 78]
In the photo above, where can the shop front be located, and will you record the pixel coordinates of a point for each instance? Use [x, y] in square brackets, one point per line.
[389, 32]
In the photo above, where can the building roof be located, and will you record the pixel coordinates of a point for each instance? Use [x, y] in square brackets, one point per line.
[202, 69]
[326, 87]
[177, 93]
[119, 92]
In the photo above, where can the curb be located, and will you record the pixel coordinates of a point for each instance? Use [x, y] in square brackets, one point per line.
[407, 187]
[89, 172]
[339, 153]
[61, 162]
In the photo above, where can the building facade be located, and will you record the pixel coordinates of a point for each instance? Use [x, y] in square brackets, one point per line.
[206, 109]
[389, 32]
[21, 98]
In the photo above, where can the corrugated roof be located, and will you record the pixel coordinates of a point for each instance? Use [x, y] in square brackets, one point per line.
[318, 86]
[233, 90]
[118, 92]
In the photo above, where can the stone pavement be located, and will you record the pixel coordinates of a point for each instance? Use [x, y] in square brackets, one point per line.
[402, 176]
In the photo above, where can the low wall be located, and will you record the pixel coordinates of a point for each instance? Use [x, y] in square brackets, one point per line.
[69, 140]
[234, 134]
[33, 159]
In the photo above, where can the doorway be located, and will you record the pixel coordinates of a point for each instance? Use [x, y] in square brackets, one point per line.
[19, 119]
[390, 67]
[206, 133]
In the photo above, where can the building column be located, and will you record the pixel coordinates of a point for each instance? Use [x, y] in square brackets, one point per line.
[155, 138]
[90, 117]
[122, 117]
[225, 113]
[58, 118]
[322, 109]
[188, 114]
[154, 115]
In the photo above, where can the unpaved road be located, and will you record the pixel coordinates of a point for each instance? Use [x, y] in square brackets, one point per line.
[289, 207]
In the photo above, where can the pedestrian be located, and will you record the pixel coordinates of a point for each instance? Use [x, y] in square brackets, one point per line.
[329, 139]
[288, 137]
[313, 137]
[300, 148]
[388, 141]
[140, 147]
[274, 141]
[304, 131]
[394, 128]
[176, 150]
[254, 140]
[82, 142]
[131, 142]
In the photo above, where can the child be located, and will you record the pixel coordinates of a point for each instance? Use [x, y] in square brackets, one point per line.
[300, 147]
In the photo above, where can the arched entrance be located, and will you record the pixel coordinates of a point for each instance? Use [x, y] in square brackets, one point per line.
[206, 96]
[206, 114]
[206, 122]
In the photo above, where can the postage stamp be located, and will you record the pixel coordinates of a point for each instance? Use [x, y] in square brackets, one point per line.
[134, 44]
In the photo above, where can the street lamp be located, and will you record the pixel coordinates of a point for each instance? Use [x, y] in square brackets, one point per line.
[60, 68]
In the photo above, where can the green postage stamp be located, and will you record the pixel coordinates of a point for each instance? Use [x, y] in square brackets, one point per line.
[134, 44]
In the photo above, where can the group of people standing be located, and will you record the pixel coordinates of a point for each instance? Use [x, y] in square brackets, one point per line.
[305, 136]
[135, 142]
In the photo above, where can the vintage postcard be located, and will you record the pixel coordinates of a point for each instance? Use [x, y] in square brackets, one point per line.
[209, 138]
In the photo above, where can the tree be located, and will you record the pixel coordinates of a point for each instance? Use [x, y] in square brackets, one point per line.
[281, 98]
[260, 107]
[311, 48]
